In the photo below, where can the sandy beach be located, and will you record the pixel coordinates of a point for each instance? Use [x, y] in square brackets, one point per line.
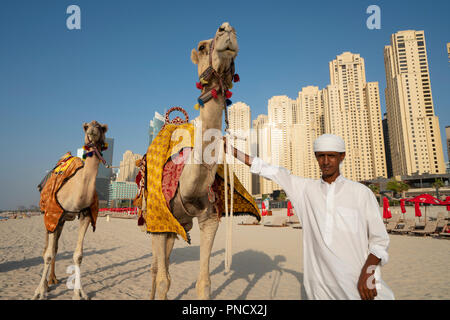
[267, 263]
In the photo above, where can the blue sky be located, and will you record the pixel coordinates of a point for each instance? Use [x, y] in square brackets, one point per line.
[132, 58]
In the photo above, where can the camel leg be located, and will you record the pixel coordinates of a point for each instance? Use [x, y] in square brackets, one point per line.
[49, 254]
[208, 228]
[52, 277]
[169, 246]
[154, 270]
[161, 281]
[78, 257]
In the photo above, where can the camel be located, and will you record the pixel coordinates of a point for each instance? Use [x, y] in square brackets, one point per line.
[75, 197]
[191, 198]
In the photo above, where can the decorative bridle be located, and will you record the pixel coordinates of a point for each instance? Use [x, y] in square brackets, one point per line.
[209, 92]
[95, 150]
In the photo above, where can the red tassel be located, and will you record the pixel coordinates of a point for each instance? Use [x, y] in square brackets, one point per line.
[214, 93]
[141, 220]
[236, 78]
[199, 85]
[228, 94]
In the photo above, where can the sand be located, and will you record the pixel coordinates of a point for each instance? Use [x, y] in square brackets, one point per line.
[267, 263]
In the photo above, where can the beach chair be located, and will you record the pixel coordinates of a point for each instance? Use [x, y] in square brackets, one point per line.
[391, 226]
[293, 219]
[277, 222]
[441, 216]
[430, 228]
[405, 227]
[445, 232]
[441, 224]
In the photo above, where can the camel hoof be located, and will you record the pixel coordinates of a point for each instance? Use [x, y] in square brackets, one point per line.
[162, 287]
[79, 294]
[203, 291]
[40, 294]
[53, 280]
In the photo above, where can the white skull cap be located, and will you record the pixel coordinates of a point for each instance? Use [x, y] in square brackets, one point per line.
[329, 142]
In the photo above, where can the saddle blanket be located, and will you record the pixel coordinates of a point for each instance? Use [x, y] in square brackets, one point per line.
[65, 169]
[163, 173]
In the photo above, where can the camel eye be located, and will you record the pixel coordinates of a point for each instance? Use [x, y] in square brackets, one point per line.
[202, 47]
[221, 29]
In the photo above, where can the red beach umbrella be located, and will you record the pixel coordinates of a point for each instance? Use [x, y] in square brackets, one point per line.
[424, 198]
[289, 209]
[402, 205]
[386, 211]
[417, 209]
[447, 202]
[263, 211]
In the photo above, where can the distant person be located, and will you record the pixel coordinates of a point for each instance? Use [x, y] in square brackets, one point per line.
[344, 238]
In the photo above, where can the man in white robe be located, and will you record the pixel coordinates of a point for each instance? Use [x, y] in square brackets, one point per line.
[344, 238]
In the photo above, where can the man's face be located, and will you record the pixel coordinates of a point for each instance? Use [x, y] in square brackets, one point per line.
[329, 162]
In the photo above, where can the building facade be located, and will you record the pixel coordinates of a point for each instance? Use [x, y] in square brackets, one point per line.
[258, 148]
[448, 51]
[310, 125]
[415, 138]
[239, 121]
[353, 112]
[262, 136]
[122, 193]
[155, 126]
[447, 134]
[128, 169]
[387, 149]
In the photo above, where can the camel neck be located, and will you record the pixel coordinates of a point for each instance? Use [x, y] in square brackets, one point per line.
[211, 114]
[91, 166]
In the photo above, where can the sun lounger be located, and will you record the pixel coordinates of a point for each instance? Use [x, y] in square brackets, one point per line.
[391, 225]
[441, 224]
[277, 222]
[293, 219]
[404, 227]
[441, 216]
[430, 228]
[446, 233]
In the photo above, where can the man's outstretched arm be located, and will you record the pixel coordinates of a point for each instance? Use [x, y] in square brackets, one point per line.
[241, 156]
[293, 185]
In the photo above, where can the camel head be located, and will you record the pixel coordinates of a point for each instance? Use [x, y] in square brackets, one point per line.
[225, 49]
[94, 132]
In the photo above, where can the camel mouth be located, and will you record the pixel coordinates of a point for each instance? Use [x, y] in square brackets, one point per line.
[227, 49]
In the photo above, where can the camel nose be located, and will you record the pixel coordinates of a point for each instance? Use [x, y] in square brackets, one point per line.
[225, 27]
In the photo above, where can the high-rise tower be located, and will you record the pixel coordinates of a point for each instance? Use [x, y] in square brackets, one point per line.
[414, 133]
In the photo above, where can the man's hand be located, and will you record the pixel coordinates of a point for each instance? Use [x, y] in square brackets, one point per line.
[245, 158]
[366, 282]
[366, 285]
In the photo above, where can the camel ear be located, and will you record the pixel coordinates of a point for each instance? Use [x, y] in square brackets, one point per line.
[104, 128]
[85, 126]
[194, 56]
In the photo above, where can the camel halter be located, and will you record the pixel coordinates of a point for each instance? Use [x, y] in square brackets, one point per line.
[91, 145]
[223, 89]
